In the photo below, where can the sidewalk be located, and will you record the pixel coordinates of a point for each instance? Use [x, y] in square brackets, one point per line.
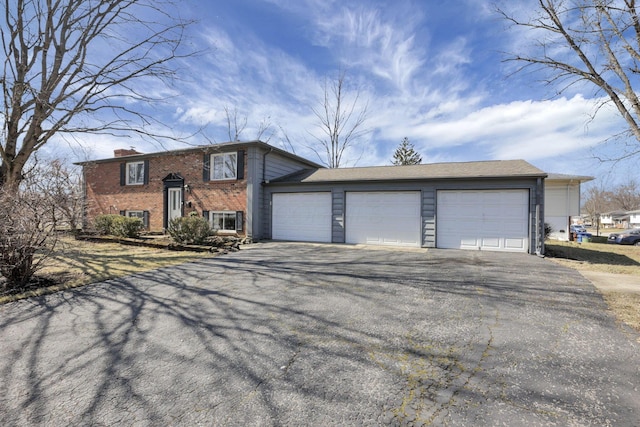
[612, 281]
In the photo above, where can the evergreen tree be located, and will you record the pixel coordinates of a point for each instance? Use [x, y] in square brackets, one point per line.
[405, 154]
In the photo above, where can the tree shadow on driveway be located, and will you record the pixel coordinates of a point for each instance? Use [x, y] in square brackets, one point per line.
[299, 334]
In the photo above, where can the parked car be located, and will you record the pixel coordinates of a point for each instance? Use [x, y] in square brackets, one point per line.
[627, 237]
[576, 228]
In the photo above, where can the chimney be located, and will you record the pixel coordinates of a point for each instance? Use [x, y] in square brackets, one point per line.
[121, 152]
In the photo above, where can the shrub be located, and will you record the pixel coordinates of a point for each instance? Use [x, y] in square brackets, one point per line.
[189, 230]
[27, 226]
[127, 227]
[104, 224]
[548, 229]
[118, 225]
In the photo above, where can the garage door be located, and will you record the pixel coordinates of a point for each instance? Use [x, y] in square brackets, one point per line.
[304, 217]
[383, 218]
[496, 220]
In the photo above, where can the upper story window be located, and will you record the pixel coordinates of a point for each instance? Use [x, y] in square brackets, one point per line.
[135, 173]
[224, 166]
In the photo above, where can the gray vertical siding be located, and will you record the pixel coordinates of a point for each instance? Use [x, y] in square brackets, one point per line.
[429, 217]
[338, 210]
[259, 170]
[275, 166]
[254, 191]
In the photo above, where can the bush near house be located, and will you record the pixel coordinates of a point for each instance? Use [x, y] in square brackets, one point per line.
[118, 225]
[190, 230]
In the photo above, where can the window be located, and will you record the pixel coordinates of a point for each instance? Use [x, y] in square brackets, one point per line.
[224, 166]
[135, 173]
[135, 214]
[143, 215]
[223, 221]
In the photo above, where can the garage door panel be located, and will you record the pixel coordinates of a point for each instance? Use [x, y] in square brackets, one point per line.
[484, 219]
[302, 217]
[383, 218]
[515, 244]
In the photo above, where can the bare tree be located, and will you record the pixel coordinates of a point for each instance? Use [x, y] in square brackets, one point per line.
[76, 66]
[27, 235]
[626, 197]
[597, 200]
[50, 196]
[62, 186]
[237, 125]
[593, 41]
[341, 122]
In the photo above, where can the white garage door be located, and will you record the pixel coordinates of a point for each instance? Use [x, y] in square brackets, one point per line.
[496, 220]
[304, 217]
[383, 218]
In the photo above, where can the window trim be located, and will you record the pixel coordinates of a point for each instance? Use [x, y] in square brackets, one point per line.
[128, 175]
[212, 167]
[232, 214]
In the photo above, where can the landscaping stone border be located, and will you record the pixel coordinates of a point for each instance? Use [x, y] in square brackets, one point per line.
[216, 243]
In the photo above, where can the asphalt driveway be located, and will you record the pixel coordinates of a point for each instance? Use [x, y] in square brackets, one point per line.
[299, 334]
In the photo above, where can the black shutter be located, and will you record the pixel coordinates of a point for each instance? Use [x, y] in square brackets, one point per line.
[123, 213]
[239, 221]
[206, 168]
[146, 171]
[123, 174]
[240, 163]
[145, 219]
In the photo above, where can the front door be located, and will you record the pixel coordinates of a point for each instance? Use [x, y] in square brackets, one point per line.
[174, 203]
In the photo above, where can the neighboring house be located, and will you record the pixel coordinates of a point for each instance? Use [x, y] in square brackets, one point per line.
[257, 190]
[634, 218]
[222, 182]
[614, 219]
[562, 202]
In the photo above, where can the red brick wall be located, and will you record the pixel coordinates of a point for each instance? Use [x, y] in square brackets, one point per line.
[105, 194]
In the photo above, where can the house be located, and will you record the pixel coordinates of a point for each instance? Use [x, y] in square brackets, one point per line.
[634, 218]
[614, 219]
[262, 192]
[221, 182]
[562, 202]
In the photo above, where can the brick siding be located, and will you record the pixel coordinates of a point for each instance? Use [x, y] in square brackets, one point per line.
[105, 195]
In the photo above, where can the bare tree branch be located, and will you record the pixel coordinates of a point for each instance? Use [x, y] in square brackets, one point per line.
[341, 123]
[594, 41]
[68, 60]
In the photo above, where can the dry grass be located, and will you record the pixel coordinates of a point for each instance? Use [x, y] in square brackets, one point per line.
[606, 258]
[626, 306]
[77, 263]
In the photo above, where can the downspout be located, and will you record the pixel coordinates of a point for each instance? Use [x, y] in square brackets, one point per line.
[264, 165]
[539, 243]
[265, 226]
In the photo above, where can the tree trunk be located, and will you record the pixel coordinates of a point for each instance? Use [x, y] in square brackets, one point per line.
[10, 175]
[16, 265]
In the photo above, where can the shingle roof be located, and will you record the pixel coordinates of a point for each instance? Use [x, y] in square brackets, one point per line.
[222, 146]
[485, 169]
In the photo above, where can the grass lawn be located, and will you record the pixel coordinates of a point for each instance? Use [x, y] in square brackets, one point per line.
[606, 258]
[77, 263]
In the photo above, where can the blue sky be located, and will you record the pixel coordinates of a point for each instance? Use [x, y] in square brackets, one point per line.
[432, 71]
